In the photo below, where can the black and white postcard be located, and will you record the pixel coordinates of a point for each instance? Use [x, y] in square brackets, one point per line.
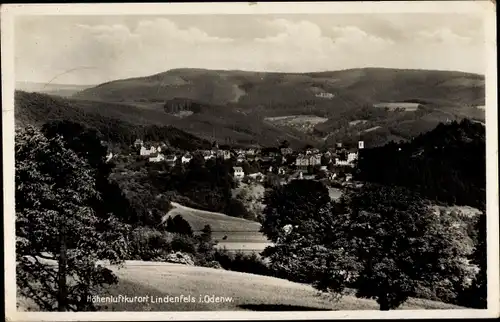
[250, 161]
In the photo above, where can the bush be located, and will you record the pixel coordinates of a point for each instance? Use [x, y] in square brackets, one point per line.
[149, 244]
[179, 225]
[236, 208]
[183, 243]
[179, 258]
[241, 262]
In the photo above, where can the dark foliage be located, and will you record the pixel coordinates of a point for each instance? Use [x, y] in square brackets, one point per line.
[241, 262]
[179, 225]
[447, 164]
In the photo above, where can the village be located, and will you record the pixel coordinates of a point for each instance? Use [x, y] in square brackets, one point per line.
[336, 165]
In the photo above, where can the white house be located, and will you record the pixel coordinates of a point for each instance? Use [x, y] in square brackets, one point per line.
[158, 158]
[109, 156]
[186, 158]
[145, 151]
[171, 159]
[281, 171]
[238, 173]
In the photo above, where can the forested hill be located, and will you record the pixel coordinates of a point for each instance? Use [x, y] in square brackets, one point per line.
[37, 109]
[447, 164]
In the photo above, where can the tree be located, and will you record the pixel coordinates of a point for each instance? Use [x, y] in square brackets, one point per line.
[55, 223]
[292, 204]
[87, 143]
[400, 244]
[476, 295]
[284, 144]
[300, 219]
[179, 225]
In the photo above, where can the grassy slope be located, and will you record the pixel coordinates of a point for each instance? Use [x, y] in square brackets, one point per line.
[240, 232]
[248, 291]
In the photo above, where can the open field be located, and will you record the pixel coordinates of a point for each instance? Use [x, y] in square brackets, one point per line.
[305, 123]
[236, 291]
[241, 234]
[409, 107]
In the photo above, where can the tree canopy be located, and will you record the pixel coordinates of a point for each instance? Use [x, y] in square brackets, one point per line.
[55, 223]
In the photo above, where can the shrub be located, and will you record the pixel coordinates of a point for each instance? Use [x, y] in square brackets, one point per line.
[149, 244]
[241, 262]
[179, 225]
[236, 208]
[183, 243]
[179, 258]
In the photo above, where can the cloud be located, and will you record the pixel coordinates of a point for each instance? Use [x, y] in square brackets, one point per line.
[120, 50]
[443, 36]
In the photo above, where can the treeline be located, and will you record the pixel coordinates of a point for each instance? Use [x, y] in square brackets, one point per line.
[182, 104]
[34, 108]
[447, 164]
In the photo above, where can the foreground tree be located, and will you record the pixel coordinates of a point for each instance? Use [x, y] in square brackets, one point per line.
[476, 295]
[300, 220]
[386, 242]
[401, 244]
[59, 237]
[178, 225]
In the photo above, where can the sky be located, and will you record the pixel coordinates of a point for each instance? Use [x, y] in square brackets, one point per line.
[96, 49]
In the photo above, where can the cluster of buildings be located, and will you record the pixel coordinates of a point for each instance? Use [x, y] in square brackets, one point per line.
[277, 160]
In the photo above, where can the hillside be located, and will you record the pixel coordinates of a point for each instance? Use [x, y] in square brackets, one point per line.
[240, 234]
[225, 125]
[117, 123]
[250, 101]
[447, 164]
[245, 291]
[288, 90]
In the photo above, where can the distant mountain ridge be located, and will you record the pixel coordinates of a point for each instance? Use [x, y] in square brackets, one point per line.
[64, 90]
[240, 105]
[275, 91]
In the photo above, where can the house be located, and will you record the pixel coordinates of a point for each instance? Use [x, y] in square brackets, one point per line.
[171, 159]
[250, 152]
[238, 173]
[315, 159]
[208, 154]
[281, 170]
[223, 154]
[352, 156]
[240, 158]
[138, 143]
[186, 158]
[158, 158]
[348, 177]
[145, 152]
[286, 151]
[302, 162]
[323, 168]
[109, 156]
